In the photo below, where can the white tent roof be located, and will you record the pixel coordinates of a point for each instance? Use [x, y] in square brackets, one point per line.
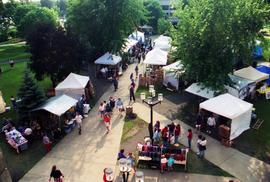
[233, 108]
[128, 44]
[58, 105]
[108, 59]
[156, 57]
[73, 81]
[174, 66]
[226, 105]
[199, 90]
[252, 74]
[137, 35]
[163, 42]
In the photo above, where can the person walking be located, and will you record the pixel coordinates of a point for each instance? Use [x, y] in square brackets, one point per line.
[137, 71]
[202, 147]
[198, 144]
[47, 143]
[107, 122]
[115, 83]
[101, 109]
[120, 106]
[56, 174]
[78, 119]
[198, 122]
[177, 133]
[131, 93]
[189, 137]
[131, 77]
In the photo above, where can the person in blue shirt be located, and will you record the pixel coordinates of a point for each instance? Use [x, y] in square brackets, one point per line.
[121, 154]
[170, 163]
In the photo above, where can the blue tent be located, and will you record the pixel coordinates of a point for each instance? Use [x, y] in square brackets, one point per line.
[257, 52]
[264, 69]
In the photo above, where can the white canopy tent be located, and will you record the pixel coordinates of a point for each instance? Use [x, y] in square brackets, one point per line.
[73, 86]
[156, 57]
[108, 59]
[129, 44]
[2, 104]
[252, 74]
[163, 42]
[199, 90]
[169, 74]
[233, 108]
[137, 35]
[58, 105]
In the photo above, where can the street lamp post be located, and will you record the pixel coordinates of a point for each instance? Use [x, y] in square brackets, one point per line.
[151, 103]
[125, 168]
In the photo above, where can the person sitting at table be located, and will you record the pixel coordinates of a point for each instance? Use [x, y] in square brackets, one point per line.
[28, 134]
[163, 163]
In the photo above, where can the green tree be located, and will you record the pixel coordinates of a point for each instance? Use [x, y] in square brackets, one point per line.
[212, 35]
[35, 17]
[46, 3]
[31, 96]
[155, 12]
[163, 26]
[103, 25]
[54, 52]
[21, 11]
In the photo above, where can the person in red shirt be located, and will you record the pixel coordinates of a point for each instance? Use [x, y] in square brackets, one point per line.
[107, 121]
[177, 133]
[189, 136]
[164, 134]
[104, 175]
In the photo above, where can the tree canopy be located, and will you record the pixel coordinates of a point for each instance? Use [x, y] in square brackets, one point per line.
[54, 52]
[46, 3]
[155, 12]
[35, 17]
[103, 25]
[212, 35]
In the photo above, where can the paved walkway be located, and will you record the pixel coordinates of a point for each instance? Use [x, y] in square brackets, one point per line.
[83, 157]
[242, 166]
[155, 176]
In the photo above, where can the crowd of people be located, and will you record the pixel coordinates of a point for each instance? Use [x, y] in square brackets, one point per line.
[106, 109]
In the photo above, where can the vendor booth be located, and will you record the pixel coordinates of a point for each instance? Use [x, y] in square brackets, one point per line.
[2, 104]
[74, 86]
[239, 87]
[163, 42]
[235, 109]
[266, 70]
[156, 57]
[252, 74]
[169, 75]
[201, 91]
[137, 35]
[56, 106]
[108, 65]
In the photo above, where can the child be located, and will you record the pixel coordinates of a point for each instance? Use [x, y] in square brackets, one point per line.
[163, 163]
[189, 137]
[170, 163]
[132, 160]
[107, 121]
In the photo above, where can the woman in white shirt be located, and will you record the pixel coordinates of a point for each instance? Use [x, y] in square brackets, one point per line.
[202, 147]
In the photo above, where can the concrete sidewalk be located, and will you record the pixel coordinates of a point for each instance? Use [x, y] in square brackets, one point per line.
[155, 176]
[242, 166]
[83, 157]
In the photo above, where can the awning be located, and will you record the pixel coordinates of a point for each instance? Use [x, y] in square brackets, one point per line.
[251, 74]
[73, 81]
[163, 42]
[156, 57]
[58, 105]
[128, 44]
[199, 90]
[108, 59]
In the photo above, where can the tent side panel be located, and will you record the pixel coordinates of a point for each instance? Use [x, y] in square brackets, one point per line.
[240, 124]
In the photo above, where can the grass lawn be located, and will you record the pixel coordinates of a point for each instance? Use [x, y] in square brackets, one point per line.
[133, 132]
[13, 52]
[18, 165]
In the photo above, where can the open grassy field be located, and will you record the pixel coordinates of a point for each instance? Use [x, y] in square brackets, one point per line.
[13, 52]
